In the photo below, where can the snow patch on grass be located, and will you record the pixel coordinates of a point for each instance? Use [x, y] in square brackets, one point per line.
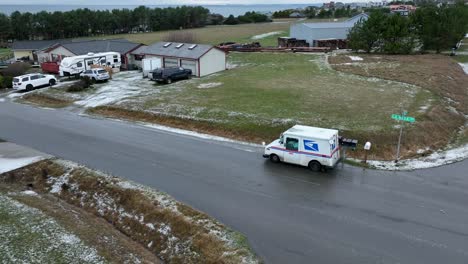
[209, 85]
[436, 159]
[355, 58]
[7, 164]
[464, 67]
[262, 36]
[30, 236]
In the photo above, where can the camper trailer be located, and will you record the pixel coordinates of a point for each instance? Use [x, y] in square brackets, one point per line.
[78, 64]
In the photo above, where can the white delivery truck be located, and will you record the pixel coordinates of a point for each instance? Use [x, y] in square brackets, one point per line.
[150, 64]
[314, 147]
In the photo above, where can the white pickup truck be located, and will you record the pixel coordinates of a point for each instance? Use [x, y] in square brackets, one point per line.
[313, 147]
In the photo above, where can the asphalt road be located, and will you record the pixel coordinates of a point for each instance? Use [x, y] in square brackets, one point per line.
[290, 215]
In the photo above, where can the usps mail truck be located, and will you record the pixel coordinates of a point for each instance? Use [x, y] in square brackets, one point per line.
[313, 147]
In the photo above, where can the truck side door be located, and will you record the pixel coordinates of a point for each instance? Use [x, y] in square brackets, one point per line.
[292, 151]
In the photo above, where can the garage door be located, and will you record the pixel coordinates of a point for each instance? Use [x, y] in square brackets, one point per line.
[171, 63]
[192, 65]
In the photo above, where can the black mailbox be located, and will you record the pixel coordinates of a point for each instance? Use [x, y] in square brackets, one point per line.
[348, 142]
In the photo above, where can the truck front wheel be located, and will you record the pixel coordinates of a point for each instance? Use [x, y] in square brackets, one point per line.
[274, 158]
[315, 166]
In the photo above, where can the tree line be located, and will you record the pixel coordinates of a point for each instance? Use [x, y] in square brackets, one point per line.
[86, 22]
[430, 27]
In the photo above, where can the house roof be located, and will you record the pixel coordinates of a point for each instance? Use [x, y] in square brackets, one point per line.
[183, 51]
[121, 46]
[78, 47]
[36, 44]
[344, 24]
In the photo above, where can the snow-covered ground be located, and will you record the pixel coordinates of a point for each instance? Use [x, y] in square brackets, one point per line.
[9, 164]
[464, 67]
[434, 160]
[265, 35]
[30, 236]
[122, 85]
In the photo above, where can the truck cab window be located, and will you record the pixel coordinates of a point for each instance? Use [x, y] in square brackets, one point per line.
[292, 144]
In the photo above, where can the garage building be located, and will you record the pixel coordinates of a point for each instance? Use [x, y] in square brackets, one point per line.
[202, 59]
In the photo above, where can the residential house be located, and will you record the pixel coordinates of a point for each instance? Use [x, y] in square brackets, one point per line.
[202, 59]
[55, 50]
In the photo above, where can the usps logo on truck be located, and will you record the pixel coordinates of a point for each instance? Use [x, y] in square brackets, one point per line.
[311, 145]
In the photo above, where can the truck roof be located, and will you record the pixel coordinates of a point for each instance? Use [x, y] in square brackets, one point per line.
[313, 132]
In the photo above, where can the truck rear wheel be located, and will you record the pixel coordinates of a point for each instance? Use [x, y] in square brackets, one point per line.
[29, 87]
[315, 166]
[274, 158]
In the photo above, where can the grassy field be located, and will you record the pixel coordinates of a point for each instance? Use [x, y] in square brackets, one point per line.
[214, 35]
[268, 89]
[5, 53]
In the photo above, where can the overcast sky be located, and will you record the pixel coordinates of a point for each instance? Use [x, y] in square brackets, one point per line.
[153, 2]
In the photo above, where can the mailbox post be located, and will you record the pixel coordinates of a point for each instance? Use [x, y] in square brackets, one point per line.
[367, 147]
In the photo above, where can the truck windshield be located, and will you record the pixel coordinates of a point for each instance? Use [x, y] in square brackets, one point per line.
[281, 139]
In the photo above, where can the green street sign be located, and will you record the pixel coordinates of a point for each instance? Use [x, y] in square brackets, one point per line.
[403, 118]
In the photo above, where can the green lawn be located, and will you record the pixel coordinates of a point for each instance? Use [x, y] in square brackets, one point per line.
[461, 58]
[270, 90]
[5, 52]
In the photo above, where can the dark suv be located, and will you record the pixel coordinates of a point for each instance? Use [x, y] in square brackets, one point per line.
[168, 75]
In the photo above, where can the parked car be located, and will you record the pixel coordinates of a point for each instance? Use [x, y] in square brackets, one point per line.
[34, 80]
[168, 75]
[97, 74]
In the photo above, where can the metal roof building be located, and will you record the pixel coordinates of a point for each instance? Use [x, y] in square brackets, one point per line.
[312, 32]
[202, 59]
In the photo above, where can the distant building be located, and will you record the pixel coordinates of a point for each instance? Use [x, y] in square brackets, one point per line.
[314, 32]
[403, 10]
[200, 58]
[296, 15]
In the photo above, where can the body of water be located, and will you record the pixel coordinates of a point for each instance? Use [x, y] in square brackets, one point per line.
[224, 10]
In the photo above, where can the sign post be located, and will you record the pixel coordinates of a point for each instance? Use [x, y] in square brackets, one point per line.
[403, 118]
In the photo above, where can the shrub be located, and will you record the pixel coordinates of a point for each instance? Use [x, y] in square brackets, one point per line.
[81, 85]
[16, 69]
[7, 82]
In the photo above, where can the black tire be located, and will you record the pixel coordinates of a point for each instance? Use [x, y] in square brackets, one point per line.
[52, 82]
[93, 80]
[315, 166]
[169, 81]
[29, 87]
[274, 158]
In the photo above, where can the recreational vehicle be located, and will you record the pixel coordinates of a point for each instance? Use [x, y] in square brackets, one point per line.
[78, 64]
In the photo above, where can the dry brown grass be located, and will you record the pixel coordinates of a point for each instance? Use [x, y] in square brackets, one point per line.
[46, 101]
[190, 235]
[436, 73]
[187, 124]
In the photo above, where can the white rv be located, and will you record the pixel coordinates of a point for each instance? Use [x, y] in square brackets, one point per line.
[78, 64]
[312, 147]
[150, 64]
